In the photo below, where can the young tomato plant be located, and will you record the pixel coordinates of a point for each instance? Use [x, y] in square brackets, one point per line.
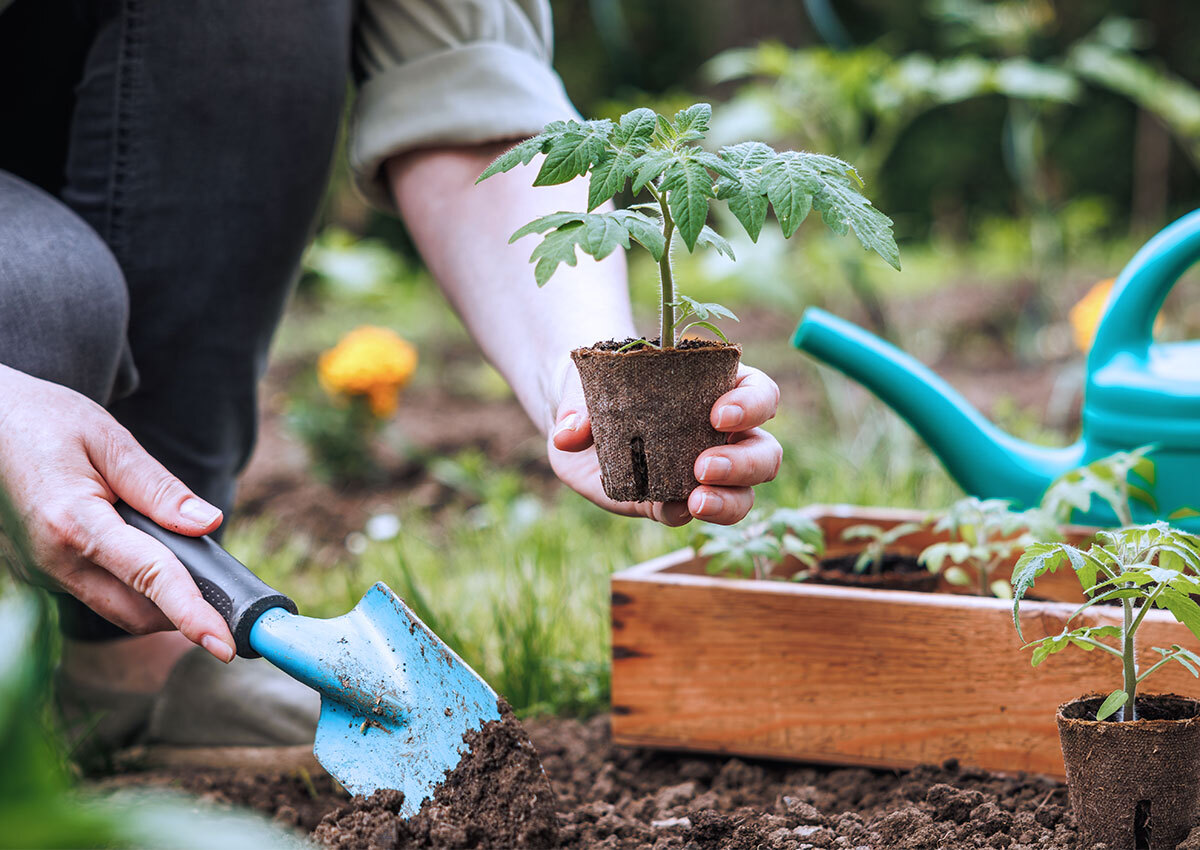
[985, 533]
[878, 540]
[1106, 479]
[662, 157]
[1143, 567]
[763, 544]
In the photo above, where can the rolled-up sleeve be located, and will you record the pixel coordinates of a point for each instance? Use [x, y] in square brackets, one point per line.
[434, 72]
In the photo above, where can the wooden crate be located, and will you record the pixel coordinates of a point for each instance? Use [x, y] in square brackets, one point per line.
[849, 676]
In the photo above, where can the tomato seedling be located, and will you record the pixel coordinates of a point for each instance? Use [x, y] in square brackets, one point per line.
[878, 540]
[756, 549]
[662, 157]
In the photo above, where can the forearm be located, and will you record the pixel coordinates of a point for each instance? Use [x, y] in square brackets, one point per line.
[462, 231]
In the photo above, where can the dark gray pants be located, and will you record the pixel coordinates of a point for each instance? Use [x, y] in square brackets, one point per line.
[161, 164]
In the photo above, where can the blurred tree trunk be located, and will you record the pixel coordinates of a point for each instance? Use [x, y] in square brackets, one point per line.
[1151, 173]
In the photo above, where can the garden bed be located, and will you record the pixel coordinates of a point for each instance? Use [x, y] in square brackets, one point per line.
[618, 798]
[850, 676]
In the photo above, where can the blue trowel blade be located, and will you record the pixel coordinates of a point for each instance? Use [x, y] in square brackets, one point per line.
[395, 700]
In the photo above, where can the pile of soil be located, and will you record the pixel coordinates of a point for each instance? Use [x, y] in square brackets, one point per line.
[618, 799]
[497, 797]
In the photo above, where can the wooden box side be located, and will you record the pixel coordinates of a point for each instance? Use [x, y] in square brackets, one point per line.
[848, 676]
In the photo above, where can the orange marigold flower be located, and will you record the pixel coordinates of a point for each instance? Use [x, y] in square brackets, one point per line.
[371, 362]
[1085, 315]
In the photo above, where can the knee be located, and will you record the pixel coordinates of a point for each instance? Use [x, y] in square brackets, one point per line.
[64, 306]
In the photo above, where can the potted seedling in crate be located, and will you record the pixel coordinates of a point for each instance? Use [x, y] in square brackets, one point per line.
[650, 399]
[1132, 761]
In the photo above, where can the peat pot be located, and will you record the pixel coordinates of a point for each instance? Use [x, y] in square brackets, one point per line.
[650, 410]
[1133, 784]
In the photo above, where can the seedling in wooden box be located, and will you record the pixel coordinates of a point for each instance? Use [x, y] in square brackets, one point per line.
[984, 533]
[879, 540]
[755, 551]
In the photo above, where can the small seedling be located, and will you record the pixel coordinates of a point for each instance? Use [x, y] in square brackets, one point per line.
[1143, 567]
[759, 547]
[1106, 479]
[878, 541]
[662, 157]
[984, 533]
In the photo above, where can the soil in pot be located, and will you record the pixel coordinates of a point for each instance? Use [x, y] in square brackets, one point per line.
[1134, 785]
[897, 572]
[497, 797]
[651, 413]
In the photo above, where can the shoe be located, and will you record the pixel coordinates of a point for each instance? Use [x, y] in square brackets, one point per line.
[203, 703]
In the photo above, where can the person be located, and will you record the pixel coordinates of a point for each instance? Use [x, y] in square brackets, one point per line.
[161, 166]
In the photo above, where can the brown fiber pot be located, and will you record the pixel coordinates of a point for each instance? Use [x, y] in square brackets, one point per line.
[1133, 784]
[650, 412]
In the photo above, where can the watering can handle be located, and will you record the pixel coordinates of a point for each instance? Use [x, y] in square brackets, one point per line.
[1141, 288]
[226, 583]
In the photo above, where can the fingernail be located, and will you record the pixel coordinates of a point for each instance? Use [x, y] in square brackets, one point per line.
[198, 511]
[676, 512]
[217, 647]
[571, 423]
[715, 468]
[710, 504]
[730, 416]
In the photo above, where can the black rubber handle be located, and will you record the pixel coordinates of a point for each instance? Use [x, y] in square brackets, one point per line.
[226, 583]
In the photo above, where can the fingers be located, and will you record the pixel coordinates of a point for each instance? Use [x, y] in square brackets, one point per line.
[105, 594]
[139, 480]
[147, 567]
[752, 402]
[750, 458]
[721, 505]
[572, 427]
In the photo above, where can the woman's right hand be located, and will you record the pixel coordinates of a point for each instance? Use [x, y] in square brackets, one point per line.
[64, 462]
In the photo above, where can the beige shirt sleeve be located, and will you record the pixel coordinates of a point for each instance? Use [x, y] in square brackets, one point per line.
[435, 72]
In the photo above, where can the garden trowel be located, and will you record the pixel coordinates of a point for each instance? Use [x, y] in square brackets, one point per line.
[395, 700]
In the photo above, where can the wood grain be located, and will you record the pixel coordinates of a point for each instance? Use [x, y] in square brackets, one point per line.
[848, 676]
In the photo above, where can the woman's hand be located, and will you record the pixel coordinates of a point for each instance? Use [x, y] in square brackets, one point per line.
[726, 473]
[64, 461]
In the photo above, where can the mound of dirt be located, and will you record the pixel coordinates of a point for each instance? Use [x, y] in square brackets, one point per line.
[497, 797]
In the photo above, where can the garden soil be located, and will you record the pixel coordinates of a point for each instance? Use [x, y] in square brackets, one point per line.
[897, 572]
[618, 799]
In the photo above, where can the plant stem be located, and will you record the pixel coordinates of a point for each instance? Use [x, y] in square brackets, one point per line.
[1129, 662]
[667, 284]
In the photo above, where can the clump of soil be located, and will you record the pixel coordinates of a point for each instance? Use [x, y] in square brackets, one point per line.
[639, 344]
[496, 797]
[897, 572]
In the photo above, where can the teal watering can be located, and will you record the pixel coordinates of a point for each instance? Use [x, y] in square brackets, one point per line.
[1138, 392]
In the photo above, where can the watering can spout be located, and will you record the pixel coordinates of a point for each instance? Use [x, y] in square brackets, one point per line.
[983, 459]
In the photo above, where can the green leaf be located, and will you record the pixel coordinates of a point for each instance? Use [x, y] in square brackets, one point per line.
[841, 206]
[571, 152]
[1183, 607]
[649, 166]
[692, 123]
[1183, 513]
[558, 246]
[707, 326]
[1001, 589]
[710, 237]
[689, 187]
[957, 576]
[704, 310]
[1110, 705]
[629, 140]
[790, 185]
[546, 222]
[520, 154]
[603, 234]
[647, 232]
[746, 193]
